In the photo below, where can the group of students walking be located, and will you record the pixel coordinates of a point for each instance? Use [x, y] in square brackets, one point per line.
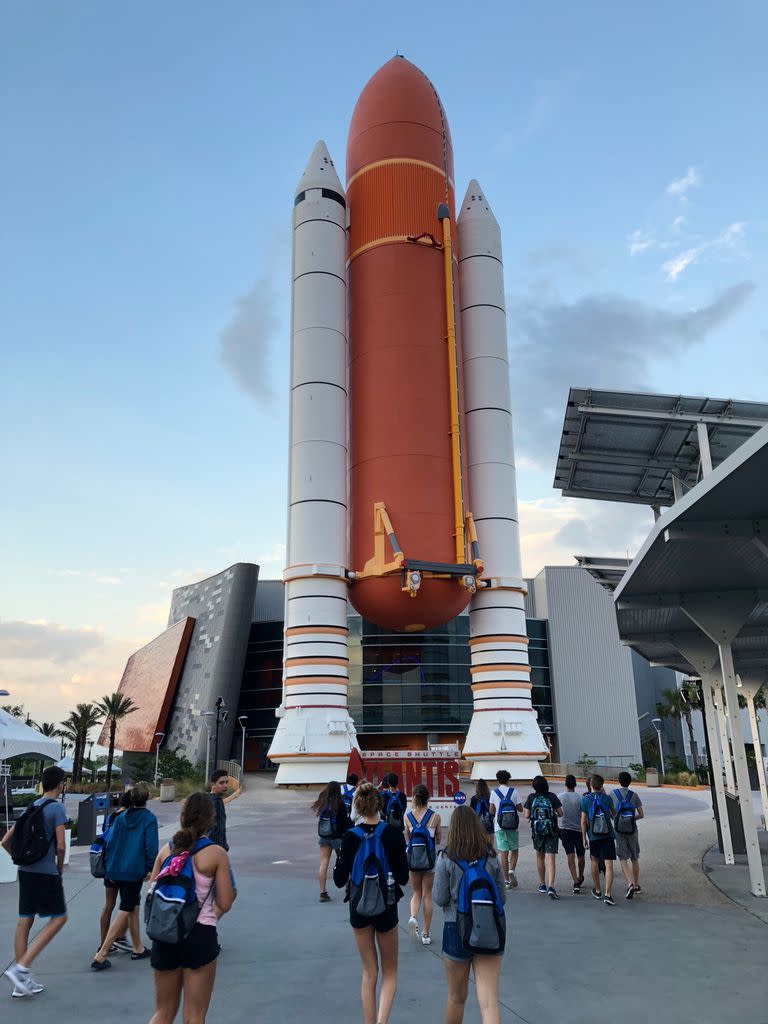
[381, 846]
[191, 886]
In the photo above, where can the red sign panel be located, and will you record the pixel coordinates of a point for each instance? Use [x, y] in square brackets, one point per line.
[437, 770]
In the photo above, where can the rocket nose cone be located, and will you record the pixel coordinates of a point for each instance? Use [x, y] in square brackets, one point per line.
[475, 204]
[320, 172]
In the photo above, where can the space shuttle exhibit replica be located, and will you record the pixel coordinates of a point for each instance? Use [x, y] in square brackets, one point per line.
[401, 495]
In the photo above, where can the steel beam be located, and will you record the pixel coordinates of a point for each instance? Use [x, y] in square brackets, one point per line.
[681, 417]
[735, 529]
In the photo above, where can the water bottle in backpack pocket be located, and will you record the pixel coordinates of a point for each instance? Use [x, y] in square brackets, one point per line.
[421, 845]
[326, 825]
[370, 890]
[507, 815]
[599, 818]
[483, 810]
[480, 918]
[625, 821]
[171, 909]
[543, 816]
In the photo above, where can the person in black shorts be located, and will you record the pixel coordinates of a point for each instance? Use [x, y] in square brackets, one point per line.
[601, 845]
[41, 893]
[380, 931]
[189, 967]
[570, 832]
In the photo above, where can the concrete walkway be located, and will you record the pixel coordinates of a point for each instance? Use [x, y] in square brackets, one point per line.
[689, 953]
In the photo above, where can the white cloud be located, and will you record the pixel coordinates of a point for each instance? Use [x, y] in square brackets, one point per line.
[674, 267]
[677, 223]
[45, 641]
[639, 241]
[680, 186]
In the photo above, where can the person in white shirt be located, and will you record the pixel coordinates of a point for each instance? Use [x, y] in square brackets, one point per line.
[507, 839]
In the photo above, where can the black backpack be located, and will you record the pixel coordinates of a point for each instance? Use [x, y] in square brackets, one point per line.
[29, 842]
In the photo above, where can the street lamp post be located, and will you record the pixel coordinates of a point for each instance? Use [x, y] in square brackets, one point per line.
[221, 716]
[243, 720]
[656, 723]
[207, 714]
[159, 736]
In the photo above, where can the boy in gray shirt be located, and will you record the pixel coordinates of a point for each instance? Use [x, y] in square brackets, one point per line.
[570, 832]
[629, 804]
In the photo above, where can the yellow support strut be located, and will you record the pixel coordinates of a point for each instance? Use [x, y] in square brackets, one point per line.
[443, 214]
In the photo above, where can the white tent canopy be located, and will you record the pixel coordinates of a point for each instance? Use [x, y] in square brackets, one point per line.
[67, 765]
[17, 739]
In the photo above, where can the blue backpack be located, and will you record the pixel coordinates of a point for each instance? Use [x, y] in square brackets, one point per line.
[508, 817]
[542, 816]
[480, 918]
[626, 824]
[171, 909]
[370, 891]
[326, 825]
[421, 845]
[348, 795]
[599, 817]
[392, 810]
[98, 851]
[483, 811]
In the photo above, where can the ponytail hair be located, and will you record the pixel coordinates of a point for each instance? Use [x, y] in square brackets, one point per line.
[198, 813]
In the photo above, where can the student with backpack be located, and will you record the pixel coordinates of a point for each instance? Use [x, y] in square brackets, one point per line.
[332, 822]
[506, 805]
[348, 792]
[131, 850]
[483, 808]
[111, 889]
[599, 837]
[469, 887]
[394, 804]
[422, 837]
[192, 887]
[570, 832]
[542, 809]
[36, 844]
[628, 810]
[373, 866]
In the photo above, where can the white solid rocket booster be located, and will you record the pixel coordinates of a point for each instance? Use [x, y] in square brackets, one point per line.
[315, 733]
[504, 731]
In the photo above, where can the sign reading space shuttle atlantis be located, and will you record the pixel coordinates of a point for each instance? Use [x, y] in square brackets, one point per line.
[401, 495]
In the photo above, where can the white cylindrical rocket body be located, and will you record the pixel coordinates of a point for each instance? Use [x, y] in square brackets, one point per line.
[315, 733]
[504, 731]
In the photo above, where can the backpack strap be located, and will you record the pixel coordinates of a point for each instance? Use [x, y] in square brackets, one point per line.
[430, 814]
[412, 819]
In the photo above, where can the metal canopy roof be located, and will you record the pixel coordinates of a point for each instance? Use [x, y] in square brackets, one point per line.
[714, 540]
[608, 572]
[625, 446]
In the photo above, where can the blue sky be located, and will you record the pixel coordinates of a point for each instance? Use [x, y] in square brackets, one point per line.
[151, 155]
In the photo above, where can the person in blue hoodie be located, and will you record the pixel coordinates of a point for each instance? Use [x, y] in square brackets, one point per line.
[131, 850]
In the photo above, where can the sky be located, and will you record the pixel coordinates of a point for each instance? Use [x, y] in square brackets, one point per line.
[151, 153]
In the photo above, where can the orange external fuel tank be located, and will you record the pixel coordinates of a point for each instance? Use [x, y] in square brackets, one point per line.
[407, 490]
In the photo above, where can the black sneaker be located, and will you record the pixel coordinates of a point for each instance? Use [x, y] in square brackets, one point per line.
[553, 894]
[324, 897]
[608, 901]
[100, 965]
[637, 889]
[630, 892]
[543, 890]
[142, 955]
[577, 890]
[597, 894]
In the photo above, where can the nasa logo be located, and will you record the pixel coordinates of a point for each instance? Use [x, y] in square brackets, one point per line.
[459, 798]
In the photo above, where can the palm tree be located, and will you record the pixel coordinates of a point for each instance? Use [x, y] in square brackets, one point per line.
[113, 708]
[48, 729]
[76, 727]
[678, 704]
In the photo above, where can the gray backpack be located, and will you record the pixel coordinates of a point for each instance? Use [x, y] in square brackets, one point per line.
[172, 908]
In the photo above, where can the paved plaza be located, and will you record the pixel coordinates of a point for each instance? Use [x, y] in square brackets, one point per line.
[683, 952]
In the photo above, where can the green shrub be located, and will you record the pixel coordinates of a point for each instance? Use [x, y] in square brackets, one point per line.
[585, 762]
[171, 765]
[681, 779]
[23, 799]
[637, 770]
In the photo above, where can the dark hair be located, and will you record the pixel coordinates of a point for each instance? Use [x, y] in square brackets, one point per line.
[392, 780]
[624, 779]
[420, 796]
[597, 781]
[503, 776]
[125, 799]
[139, 795]
[467, 839]
[570, 782]
[588, 782]
[481, 790]
[198, 813]
[540, 784]
[367, 802]
[52, 777]
[329, 796]
[218, 774]
[352, 779]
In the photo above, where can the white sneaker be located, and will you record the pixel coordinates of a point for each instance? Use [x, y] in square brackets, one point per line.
[426, 940]
[413, 928]
[23, 983]
[513, 879]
